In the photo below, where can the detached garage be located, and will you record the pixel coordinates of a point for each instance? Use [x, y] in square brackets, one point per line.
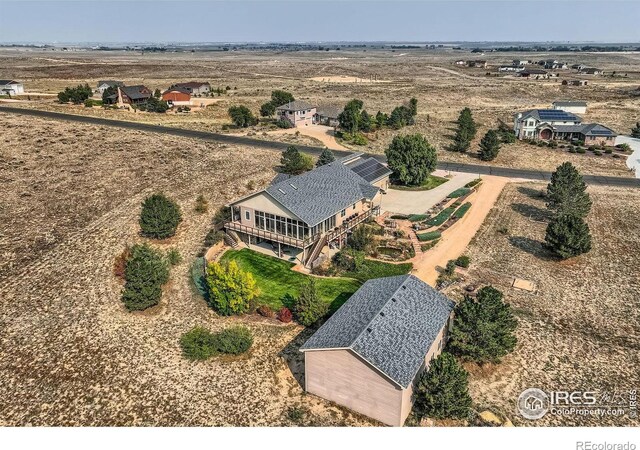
[177, 96]
[371, 352]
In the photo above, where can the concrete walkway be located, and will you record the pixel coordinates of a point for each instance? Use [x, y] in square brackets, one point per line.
[419, 202]
[633, 160]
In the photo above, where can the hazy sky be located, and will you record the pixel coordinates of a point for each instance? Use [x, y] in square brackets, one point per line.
[319, 20]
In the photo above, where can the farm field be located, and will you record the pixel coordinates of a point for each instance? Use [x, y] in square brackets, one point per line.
[442, 90]
[72, 354]
[580, 328]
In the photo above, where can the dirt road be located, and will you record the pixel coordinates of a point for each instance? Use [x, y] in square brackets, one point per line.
[454, 241]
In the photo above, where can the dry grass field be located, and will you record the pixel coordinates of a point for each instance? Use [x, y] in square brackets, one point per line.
[333, 78]
[71, 354]
[71, 193]
[580, 329]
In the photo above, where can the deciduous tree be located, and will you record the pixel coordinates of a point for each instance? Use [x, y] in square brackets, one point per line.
[231, 289]
[411, 158]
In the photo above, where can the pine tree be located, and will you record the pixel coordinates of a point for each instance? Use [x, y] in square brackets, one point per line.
[146, 270]
[309, 306]
[489, 146]
[483, 328]
[443, 391]
[325, 157]
[159, 217]
[293, 162]
[568, 236]
[635, 131]
[466, 131]
[566, 193]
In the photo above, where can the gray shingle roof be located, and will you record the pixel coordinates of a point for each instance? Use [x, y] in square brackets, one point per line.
[297, 105]
[136, 92]
[588, 129]
[322, 192]
[390, 322]
[110, 83]
[329, 111]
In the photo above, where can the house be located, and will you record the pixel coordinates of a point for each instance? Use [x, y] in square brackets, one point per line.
[328, 115]
[556, 124]
[103, 85]
[303, 214]
[578, 66]
[534, 73]
[571, 106]
[591, 71]
[11, 87]
[552, 64]
[194, 87]
[521, 62]
[133, 95]
[177, 96]
[371, 353]
[477, 63]
[510, 69]
[298, 113]
[460, 62]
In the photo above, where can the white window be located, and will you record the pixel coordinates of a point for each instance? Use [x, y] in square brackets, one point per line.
[247, 215]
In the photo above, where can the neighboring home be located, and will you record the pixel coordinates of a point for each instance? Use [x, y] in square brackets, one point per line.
[103, 85]
[328, 115]
[301, 215]
[510, 69]
[578, 66]
[298, 113]
[571, 106]
[370, 354]
[553, 64]
[134, 95]
[460, 62]
[11, 87]
[574, 82]
[477, 63]
[177, 96]
[555, 124]
[591, 71]
[521, 62]
[194, 87]
[534, 73]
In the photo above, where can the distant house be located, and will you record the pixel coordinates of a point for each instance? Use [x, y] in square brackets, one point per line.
[534, 73]
[305, 215]
[555, 124]
[328, 115]
[575, 107]
[371, 353]
[591, 71]
[578, 66]
[510, 69]
[11, 87]
[134, 95]
[477, 63]
[521, 62]
[194, 87]
[103, 85]
[177, 96]
[460, 62]
[298, 113]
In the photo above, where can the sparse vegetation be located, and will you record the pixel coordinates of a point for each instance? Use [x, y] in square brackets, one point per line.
[76, 95]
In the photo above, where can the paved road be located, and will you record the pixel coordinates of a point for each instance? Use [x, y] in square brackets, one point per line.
[279, 146]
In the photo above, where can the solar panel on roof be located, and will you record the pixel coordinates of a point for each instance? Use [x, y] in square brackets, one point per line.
[370, 169]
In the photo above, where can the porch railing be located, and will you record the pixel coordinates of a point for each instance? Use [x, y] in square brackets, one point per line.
[352, 223]
[271, 236]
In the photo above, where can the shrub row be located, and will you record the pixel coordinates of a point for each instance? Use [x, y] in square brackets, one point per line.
[441, 217]
[460, 212]
[200, 344]
[459, 192]
[430, 236]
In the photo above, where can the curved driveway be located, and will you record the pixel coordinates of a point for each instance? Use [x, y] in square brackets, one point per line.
[526, 174]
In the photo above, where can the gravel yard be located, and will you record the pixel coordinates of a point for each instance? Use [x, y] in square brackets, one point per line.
[71, 354]
[580, 329]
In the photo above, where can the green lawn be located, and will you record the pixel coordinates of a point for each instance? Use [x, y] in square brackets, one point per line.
[430, 183]
[441, 217]
[460, 212]
[378, 269]
[430, 236]
[459, 192]
[279, 284]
